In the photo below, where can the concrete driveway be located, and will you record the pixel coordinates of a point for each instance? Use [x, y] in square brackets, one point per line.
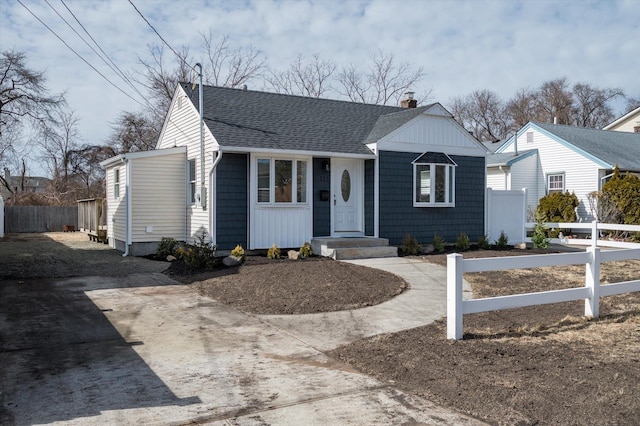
[143, 349]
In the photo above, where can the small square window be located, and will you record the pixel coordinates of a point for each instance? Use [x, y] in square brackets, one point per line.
[555, 183]
[529, 137]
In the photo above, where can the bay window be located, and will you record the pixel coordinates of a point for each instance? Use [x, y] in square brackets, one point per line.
[434, 180]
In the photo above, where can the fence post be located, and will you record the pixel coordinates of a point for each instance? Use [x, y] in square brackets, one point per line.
[592, 281]
[454, 296]
[1, 217]
[594, 234]
[524, 218]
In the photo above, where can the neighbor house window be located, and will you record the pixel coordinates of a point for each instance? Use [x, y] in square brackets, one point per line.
[555, 183]
[282, 181]
[434, 180]
[529, 137]
[192, 180]
[116, 183]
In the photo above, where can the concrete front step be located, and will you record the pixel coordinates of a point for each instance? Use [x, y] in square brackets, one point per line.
[353, 248]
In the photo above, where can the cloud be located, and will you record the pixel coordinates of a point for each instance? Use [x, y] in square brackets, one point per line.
[463, 45]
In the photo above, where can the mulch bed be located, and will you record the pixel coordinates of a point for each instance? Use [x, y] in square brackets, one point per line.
[302, 286]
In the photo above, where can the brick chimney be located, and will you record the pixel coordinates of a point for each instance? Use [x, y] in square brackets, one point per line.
[408, 101]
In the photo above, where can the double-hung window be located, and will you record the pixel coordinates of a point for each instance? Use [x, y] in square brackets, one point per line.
[555, 183]
[191, 166]
[434, 180]
[281, 181]
[116, 183]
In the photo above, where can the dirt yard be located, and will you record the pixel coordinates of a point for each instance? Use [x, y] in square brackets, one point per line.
[538, 365]
[64, 254]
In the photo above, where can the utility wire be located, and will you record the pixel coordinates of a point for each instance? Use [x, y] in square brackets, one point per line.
[78, 55]
[158, 34]
[114, 66]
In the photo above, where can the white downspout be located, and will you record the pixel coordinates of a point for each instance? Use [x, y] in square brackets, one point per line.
[376, 196]
[506, 180]
[212, 230]
[127, 203]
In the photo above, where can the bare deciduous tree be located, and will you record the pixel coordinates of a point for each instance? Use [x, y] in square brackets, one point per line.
[556, 101]
[227, 66]
[483, 113]
[591, 105]
[57, 139]
[23, 97]
[134, 132]
[385, 82]
[523, 107]
[305, 79]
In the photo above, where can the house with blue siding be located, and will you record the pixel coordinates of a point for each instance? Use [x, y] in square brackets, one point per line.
[267, 168]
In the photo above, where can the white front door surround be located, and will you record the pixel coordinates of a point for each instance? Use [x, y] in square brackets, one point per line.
[347, 197]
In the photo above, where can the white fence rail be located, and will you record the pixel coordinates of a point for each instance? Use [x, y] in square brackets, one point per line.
[591, 292]
[594, 227]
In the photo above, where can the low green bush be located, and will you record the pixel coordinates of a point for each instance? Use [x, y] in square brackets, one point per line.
[502, 241]
[410, 245]
[166, 247]
[484, 243]
[438, 243]
[557, 207]
[462, 243]
[306, 250]
[273, 252]
[238, 252]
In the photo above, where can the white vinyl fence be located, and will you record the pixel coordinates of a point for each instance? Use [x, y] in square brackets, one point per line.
[594, 229]
[506, 212]
[591, 292]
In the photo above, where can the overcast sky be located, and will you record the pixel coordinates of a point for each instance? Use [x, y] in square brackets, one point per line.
[463, 45]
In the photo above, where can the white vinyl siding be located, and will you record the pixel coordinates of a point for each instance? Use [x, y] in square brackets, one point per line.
[182, 128]
[158, 197]
[580, 173]
[116, 214]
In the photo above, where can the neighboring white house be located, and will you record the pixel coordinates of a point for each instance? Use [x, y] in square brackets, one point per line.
[549, 158]
[630, 122]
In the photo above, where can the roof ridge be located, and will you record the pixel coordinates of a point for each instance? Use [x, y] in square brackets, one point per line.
[276, 94]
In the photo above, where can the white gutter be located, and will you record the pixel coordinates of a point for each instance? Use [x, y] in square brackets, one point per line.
[212, 219]
[127, 203]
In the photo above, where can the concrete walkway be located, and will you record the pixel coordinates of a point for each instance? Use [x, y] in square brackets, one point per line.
[144, 349]
[424, 302]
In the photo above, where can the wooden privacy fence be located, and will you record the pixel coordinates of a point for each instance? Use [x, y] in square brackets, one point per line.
[39, 218]
[92, 214]
[591, 292]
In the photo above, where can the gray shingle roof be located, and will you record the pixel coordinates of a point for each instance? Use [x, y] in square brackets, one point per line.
[621, 148]
[507, 158]
[252, 119]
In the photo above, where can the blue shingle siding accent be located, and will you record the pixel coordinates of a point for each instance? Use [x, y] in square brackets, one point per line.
[369, 183]
[321, 209]
[231, 201]
[398, 216]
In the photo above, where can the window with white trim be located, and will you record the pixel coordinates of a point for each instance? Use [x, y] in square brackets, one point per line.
[116, 183]
[555, 183]
[191, 167]
[434, 180]
[281, 181]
